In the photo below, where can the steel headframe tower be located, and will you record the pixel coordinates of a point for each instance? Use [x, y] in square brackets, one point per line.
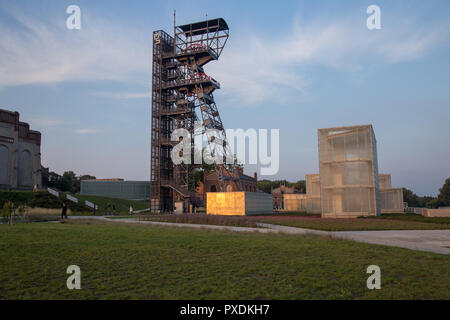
[180, 90]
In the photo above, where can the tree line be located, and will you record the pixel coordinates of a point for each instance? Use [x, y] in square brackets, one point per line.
[413, 200]
[442, 200]
[68, 182]
[267, 185]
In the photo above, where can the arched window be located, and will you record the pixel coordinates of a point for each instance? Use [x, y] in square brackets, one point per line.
[4, 159]
[25, 169]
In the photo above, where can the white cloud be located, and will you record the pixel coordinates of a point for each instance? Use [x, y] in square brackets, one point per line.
[254, 68]
[50, 53]
[88, 131]
[259, 68]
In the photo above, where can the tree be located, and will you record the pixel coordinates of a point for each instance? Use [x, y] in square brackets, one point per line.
[414, 200]
[300, 186]
[7, 211]
[68, 182]
[434, 203]
[50, 179]
[410, 197]
[444, 194]
[267, 185]
[264, 185]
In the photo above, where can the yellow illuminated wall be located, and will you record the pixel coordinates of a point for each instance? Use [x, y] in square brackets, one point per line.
[238, 203]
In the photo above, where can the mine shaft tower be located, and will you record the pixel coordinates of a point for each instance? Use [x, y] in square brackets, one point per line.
[181, 95]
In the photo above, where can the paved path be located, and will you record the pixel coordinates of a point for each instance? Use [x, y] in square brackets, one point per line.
[437, 241]
[90, 218]
[181, 225]
[293, 230]
[200, 226]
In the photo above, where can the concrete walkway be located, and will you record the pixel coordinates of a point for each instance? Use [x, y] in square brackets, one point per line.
[199, 226]
[180, 225]
[437, 241]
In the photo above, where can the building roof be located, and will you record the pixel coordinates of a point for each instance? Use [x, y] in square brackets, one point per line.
[23, 128]
[198, 28]
[241, 177]
[345, 128]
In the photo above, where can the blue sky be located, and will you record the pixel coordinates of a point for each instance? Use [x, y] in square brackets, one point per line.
[291, 65]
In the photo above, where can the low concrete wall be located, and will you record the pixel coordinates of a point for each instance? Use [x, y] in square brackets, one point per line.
[441, 212]
[238, 203]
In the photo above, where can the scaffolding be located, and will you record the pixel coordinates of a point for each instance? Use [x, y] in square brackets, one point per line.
[313, 194]
[348, 172]
[182, 93]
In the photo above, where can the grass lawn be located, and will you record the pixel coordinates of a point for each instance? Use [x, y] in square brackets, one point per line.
[388, 222]
[413, 217]
[122, 205]
[147, 262]
[43, 199]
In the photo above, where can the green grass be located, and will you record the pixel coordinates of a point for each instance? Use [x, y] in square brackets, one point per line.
[413, 217]
[122, 205]
[46, 200]
[384, 222]
[147, 262]
[40, 199]
[357, 224]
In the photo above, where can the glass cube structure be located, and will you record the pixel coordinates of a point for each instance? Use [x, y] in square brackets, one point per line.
[348, 165]
[313, 194]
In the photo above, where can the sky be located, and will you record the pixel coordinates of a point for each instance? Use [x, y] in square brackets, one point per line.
[295, 66]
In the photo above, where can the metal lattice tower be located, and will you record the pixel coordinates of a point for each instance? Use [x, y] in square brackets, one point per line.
[181, 94]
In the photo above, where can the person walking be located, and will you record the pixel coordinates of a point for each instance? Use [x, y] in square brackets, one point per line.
[131, 210]
[64, 211]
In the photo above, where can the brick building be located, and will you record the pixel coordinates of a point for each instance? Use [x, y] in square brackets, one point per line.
[210, 183]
